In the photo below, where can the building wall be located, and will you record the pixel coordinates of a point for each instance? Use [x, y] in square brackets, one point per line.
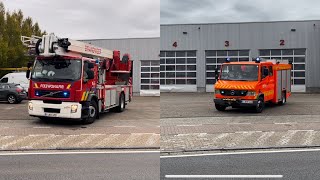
[252, 36]
[139, 48]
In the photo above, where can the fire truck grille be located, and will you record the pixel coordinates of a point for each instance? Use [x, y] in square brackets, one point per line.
[52, 94]
[233, 92]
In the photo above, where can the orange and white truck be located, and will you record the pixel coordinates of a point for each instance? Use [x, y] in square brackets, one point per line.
[252, 84]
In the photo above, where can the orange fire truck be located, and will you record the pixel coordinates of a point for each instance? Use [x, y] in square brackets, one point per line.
[252, 84]
[76, 80]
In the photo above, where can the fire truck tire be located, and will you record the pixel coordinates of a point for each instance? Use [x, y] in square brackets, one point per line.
[122, 104]
[220, 107]
[260, 105]
[93, 111]
[283, 99]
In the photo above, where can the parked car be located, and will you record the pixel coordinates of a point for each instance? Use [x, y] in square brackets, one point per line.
[13, 93]
[16, 78]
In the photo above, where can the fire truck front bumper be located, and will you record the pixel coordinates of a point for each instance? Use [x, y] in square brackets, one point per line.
[68, 110]
[236, 102]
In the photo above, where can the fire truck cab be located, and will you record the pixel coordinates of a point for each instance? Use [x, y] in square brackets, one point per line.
[75, 80]
[252, 84]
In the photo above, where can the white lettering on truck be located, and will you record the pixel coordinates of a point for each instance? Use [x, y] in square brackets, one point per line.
[51, 86]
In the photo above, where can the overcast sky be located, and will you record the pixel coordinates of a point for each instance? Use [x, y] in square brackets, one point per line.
[217, 11]
[92, 19]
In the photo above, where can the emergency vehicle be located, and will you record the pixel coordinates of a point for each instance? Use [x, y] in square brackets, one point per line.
[252, 84]
[76, 80]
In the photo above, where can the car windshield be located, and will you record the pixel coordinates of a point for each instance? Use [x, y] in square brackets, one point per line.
[239, 72]
[57, 70]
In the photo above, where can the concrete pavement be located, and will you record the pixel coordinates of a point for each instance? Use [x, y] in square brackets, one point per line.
[136, 127]
[289, 164]
[84, 166]
[189, 122]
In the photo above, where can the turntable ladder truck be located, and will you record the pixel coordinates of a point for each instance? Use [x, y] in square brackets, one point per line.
[75, 80]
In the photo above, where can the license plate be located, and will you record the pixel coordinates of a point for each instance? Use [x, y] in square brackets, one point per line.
[50, 114]
[247, 102]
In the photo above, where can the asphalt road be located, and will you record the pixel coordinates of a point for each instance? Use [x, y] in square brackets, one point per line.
[189, 122]
[291, 165]
[122, 166]
[137, 126]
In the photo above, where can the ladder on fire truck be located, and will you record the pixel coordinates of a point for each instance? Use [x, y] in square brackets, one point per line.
[51, 45]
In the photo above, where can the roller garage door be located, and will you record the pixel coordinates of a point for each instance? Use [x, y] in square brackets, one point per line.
[297, 57]
[178, 71]
[214, 59]
[150, 82]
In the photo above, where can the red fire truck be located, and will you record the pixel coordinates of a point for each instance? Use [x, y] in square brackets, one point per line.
[76, 80]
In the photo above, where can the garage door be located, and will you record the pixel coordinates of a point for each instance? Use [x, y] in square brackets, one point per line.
[214, 59]
[178, 71]
[297, 57]
[150, 82]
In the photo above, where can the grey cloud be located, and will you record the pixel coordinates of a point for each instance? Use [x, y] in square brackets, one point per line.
[217, 11]
[94, 19]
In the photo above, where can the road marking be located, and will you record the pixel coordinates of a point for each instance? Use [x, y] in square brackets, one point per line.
[239, 139]
[186, 125]
[125, 126]
[41, 127]
[74, 152]
[286, 138]
[263, 138]
[242, 153]
[309, 136]
[222, 176]
[8, 108]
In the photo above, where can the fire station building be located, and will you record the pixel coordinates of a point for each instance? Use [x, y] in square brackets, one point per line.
[146, 65]
[190, 52]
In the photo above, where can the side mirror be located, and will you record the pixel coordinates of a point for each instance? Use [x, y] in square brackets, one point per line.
[90, 74]
[90, 65]
[28, 74]
[216, 73]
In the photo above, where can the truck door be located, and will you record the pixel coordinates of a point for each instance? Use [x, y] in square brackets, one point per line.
[267, 82]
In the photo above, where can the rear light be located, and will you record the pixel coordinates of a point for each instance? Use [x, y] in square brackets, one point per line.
[19, 90]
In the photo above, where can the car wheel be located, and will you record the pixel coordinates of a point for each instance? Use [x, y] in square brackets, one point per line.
[260, 105]
[12, 99]
[93, 112]
[122, 104]
[220, 107]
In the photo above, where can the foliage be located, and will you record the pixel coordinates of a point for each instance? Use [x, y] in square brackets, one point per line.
[12, 26]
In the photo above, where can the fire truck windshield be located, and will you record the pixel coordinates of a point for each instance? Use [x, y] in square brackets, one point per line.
[239, 72]
[57, 70]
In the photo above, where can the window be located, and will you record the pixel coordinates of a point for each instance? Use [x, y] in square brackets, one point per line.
[150, 74]
[4, 80]
[178, 67]
[296, 57]
[214, 59]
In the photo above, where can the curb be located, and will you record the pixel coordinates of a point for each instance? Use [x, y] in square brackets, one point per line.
[75, 148]
[237, 149]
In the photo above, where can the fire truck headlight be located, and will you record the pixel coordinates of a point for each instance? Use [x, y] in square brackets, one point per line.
[217, 91]
[251, 93]
[30, 106]
[74, 108]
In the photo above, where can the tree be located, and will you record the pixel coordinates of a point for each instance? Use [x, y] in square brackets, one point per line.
[12, 26]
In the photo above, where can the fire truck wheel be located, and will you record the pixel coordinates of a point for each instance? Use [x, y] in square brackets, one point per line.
[260, 105]
[12, 99]
[283, 99]
[122, 103]
[220, 107]
[93, 110]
